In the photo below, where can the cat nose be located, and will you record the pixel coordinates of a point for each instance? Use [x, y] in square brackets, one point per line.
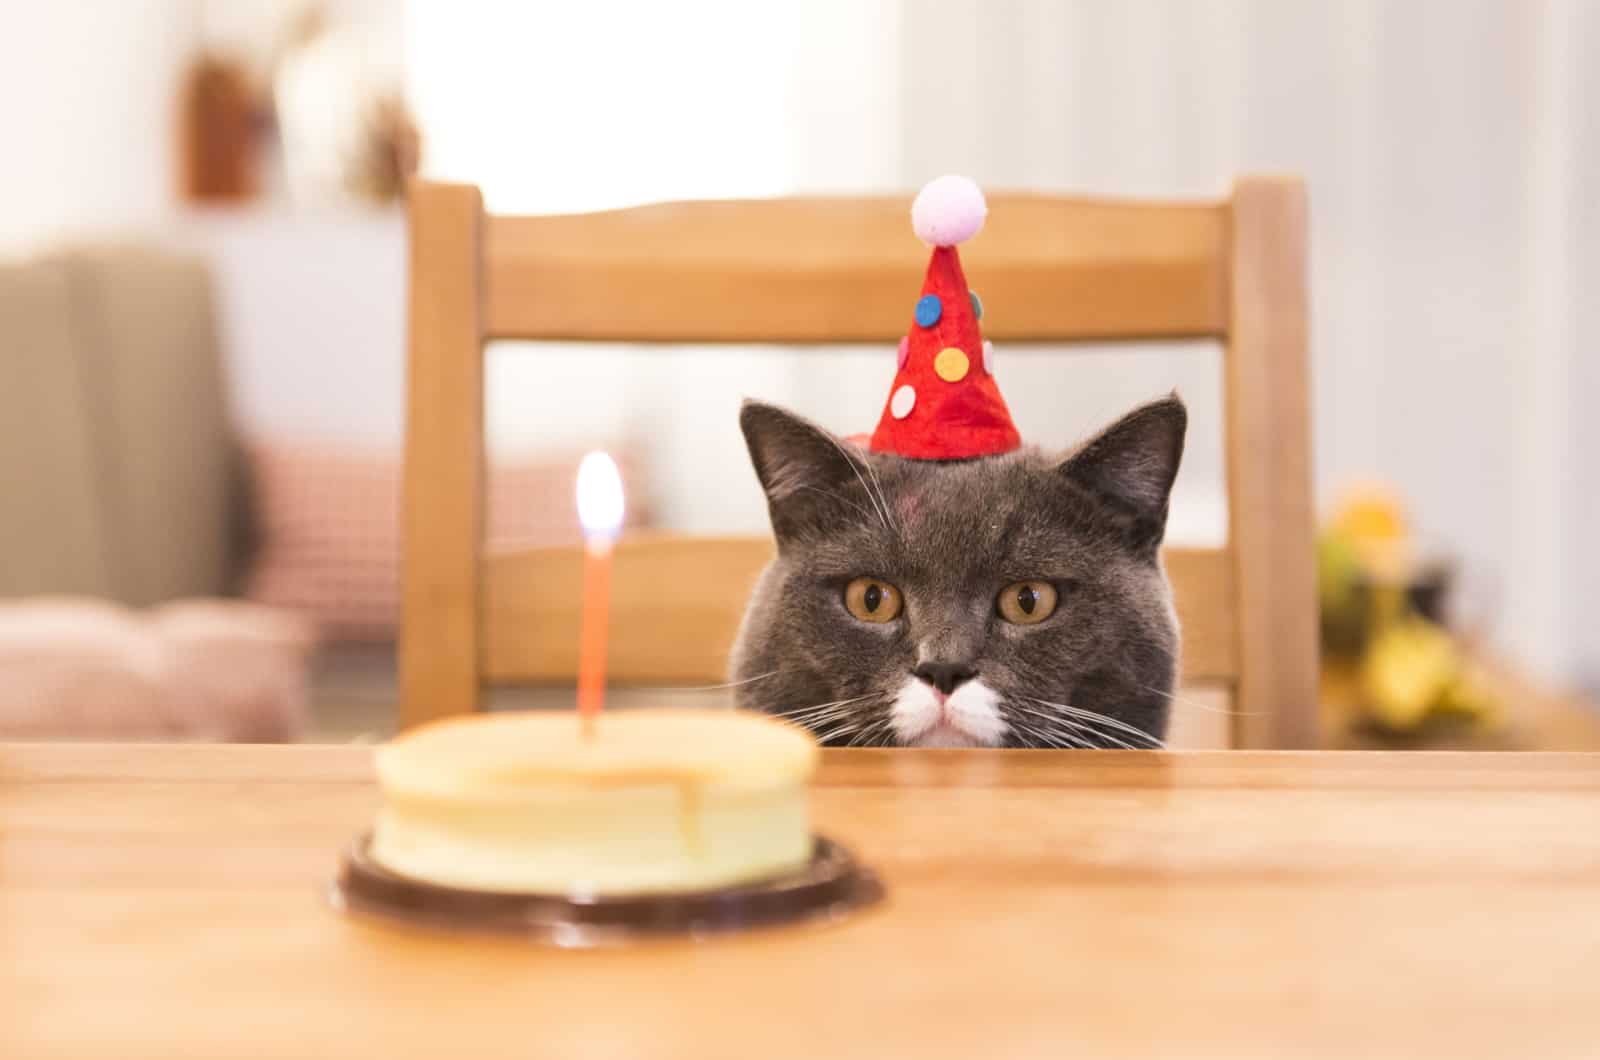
[946, 676]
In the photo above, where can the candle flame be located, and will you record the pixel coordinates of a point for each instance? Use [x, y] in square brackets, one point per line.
[600, 496]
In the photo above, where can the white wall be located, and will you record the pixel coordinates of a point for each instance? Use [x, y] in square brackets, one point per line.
[312, 315]
[88, 105]
[87, 129]
[1577, 462]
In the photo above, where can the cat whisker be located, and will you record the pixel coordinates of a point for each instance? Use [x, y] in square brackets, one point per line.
[822, 706]
[1071, 741]
[1104, 737]
[861, 731]
[1033, 712]
[1040, 735]
[886, 735]
[811, 707]
[1180, 700]
[1054, 723]
[687, 689]
[848, 728]
[1102, 726]
[867, 733]
[802, 712]
[1030, 722]
[1095, 716]
[876, 498]
[819, 717]
[878, 485]
[1041, 715]
[865, 737]
[1145, 742]
[836, 717]
[840, 499]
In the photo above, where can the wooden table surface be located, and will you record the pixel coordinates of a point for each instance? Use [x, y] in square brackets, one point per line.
[167, 901]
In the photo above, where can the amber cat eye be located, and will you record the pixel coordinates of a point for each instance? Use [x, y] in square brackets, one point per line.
[1025, 603]
[872, 600]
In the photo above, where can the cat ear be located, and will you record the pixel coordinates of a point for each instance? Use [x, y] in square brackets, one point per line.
[1132, 463]
[812, 479]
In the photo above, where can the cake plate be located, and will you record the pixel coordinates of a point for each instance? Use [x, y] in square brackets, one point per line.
[830, 886]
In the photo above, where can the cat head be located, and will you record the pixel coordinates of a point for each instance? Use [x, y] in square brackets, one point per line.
[1011, 600]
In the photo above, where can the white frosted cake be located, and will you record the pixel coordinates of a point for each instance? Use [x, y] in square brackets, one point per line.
[655, 801]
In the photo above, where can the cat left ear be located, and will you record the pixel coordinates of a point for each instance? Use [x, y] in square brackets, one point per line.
[812, 479]
[1131, 464]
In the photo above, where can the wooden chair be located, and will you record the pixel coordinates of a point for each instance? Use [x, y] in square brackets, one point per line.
[814, 270]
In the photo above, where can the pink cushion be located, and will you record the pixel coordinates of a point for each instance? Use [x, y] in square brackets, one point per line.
[236, 670]
[329, 529]
[198, 670]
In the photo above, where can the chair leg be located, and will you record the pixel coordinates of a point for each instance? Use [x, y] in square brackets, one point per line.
[442, 529]
[1271, 509]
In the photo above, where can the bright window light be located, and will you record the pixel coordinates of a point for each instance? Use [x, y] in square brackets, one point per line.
[566, 107]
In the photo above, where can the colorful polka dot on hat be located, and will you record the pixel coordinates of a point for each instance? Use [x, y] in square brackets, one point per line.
[944, 404]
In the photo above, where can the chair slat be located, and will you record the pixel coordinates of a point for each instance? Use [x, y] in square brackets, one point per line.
[676, 604]
[819, 270]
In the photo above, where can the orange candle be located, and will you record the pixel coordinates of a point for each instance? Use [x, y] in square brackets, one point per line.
[592, 634]
[600, 511]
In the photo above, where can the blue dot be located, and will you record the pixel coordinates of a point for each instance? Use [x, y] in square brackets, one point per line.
[929, 310]
[977, 304]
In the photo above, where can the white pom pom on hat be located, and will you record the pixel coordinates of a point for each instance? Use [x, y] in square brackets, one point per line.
[948, 210]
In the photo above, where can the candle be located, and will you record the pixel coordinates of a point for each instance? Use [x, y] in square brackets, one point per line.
[600, 512]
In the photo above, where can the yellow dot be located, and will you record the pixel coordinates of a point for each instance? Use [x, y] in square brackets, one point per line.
[951, 364]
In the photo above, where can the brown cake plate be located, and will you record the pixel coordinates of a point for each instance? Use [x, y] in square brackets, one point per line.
[828, 887]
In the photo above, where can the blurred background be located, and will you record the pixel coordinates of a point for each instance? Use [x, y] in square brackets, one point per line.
[202, 306]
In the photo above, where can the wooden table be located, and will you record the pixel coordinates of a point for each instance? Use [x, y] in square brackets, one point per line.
[167, 901]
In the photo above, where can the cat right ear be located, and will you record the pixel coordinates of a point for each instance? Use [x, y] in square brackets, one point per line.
[1130, 466]
[812, 479]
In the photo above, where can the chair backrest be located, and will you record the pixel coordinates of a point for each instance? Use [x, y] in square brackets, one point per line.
[813, 270]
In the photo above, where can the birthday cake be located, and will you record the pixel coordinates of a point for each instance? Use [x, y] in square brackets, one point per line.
[645, 802]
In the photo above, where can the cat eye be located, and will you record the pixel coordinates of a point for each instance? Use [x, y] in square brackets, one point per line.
[1025, 603]
[872, 600]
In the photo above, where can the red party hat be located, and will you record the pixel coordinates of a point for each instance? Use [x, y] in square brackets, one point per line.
[944, 404]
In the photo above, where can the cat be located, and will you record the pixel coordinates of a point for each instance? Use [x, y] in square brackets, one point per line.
[1005, 601]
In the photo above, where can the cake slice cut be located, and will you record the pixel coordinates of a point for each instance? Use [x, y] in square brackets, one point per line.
[651, 801]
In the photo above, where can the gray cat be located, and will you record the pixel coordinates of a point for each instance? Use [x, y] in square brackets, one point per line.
[1004, 601]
